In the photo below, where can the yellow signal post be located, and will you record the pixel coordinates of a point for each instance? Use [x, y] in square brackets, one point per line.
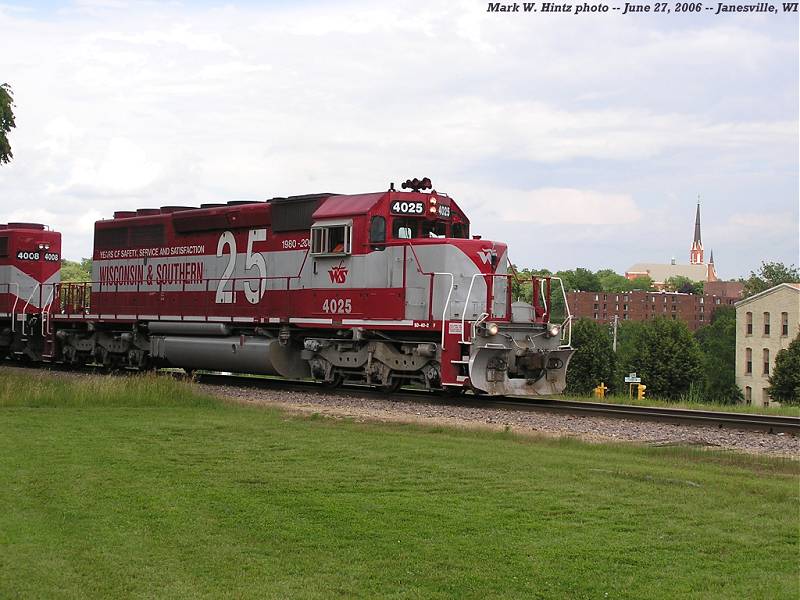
[640, 392]
[600, 390]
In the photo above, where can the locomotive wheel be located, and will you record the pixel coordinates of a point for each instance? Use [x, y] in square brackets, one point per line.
[391, 388]
[334, 383]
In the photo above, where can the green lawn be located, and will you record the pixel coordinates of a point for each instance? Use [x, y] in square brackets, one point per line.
[140, 487]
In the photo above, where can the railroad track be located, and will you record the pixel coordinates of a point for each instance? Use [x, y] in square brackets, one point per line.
[679, 416]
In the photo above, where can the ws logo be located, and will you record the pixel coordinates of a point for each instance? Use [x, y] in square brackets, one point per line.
[338, 274]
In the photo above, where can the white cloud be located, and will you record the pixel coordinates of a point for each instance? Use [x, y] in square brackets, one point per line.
[126, 107]
[558, 206]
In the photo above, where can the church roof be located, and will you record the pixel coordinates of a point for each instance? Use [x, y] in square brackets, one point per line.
[697, 239]
[661, 272]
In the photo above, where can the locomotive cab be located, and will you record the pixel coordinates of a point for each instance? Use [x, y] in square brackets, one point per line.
[416, 246]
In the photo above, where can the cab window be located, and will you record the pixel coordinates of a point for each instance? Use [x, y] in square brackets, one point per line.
[434, 229]
[377, 230]
[331, 239]
[404, 229]
[459, 230]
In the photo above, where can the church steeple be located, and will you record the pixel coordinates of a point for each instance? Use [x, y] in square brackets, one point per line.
[696, 253]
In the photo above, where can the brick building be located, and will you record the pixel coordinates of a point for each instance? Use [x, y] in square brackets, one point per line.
[694, 310]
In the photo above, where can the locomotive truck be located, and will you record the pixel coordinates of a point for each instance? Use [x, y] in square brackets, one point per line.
[384, 289]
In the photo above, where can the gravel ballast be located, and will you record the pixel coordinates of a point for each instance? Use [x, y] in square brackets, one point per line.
[587, 428]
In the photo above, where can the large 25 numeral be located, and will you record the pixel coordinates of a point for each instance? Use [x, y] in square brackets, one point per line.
[253, 288]
[226, 239]
[254, 291]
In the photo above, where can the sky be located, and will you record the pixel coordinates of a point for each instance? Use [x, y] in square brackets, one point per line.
[580, 140]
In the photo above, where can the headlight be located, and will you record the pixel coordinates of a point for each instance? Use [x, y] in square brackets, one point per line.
[553, 330]
[491, 329]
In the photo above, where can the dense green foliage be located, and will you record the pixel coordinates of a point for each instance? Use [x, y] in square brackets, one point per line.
[769, 275]
[6, 122]
[72, 271]
[785, 378]
[593, 361]
[718, 344]
[665, 355]
[684, 285]
[186, 500]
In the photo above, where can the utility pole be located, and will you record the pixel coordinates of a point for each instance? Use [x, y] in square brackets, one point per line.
[616, 320]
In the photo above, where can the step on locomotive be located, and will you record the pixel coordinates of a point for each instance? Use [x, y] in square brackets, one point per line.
[384, 289]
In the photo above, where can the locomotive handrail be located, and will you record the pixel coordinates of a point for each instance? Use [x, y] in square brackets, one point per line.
[446, 302]
[568, 318]
[14, 306]
[45, 310]
[24, 308]
[469, 295]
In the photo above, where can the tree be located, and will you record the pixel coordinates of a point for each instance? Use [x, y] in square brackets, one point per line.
[684, 285]
[718, 345]
[665, 355]
[593, 361]
[784, 383]
[611, 281]
[6, 122]
[72, 271]
[643, 282]
[769, 275]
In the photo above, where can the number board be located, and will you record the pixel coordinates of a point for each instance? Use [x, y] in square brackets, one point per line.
[444, 211]
[34, 255]
[401, 207]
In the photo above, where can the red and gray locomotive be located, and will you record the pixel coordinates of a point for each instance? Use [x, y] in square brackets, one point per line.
[385, 289]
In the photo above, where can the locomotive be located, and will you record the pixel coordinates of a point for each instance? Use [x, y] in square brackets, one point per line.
[384, 289]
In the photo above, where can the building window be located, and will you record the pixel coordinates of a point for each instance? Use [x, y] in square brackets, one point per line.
[625, 317]
[605, 306]
[748, 394]
[616, 307]
[702, 309]
[701, 317]
[784, 323]
[765, 397]
[702, 300]
[748, 361]
[665, 299]
[766, 323]
[749, 323]
[605, 297]
[595, 316]
[596, 297]
[653, 299]
[766, 361]
[716, 300]
[624, 307]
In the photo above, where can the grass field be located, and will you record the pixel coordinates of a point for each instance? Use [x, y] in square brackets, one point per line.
[141, 487]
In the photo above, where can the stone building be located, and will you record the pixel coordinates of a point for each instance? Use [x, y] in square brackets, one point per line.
[765, 324]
